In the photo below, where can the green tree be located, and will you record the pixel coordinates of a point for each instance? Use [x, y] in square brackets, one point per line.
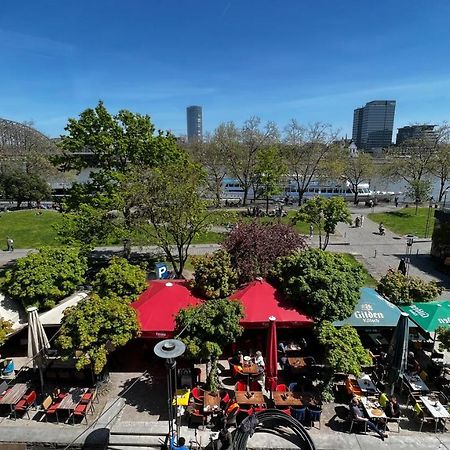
[419, 191]
[269, 170]
[325, 214]
[403, 290]
[115, 145]
[324, 285]
[356, 170]
[443, 336]
[21, 187]
[343, 348]
[171, 209]
[5, 330]
[45, 277]
[214, 277]
[208, 328]
[96, 326]
[306, 150]
[120, 278]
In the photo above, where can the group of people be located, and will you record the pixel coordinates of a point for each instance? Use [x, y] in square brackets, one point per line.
[392, 410]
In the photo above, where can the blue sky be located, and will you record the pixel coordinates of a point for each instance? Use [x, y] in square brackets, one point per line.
[279, 59]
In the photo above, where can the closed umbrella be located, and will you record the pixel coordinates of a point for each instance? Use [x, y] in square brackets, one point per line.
[272, 356]
[398, 349]
[37, 341]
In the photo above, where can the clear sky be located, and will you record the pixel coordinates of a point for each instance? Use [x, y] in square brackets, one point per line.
[278, 59]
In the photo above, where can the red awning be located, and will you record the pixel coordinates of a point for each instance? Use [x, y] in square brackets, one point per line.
[261, 300]
[159, 304]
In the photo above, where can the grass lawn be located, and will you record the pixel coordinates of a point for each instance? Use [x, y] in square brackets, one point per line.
[369, 281]
[28, 229]
[405, 220]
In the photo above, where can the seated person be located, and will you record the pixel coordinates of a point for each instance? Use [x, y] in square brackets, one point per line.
[237, 359]
[224, 440]
[392, 409]
[178, 444]
[281, 348]
[358, 416]
[412, 366]
[259, 360]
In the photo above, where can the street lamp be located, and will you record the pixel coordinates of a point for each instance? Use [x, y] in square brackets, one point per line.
[170, 349]
[409, 244]
[428, 217]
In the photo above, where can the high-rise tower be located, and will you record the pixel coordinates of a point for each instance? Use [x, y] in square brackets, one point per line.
[194, 123]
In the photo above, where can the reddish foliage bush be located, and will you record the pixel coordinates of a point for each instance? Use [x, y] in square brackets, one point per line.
[255, 246]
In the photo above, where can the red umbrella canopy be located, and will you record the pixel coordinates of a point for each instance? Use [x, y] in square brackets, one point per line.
[159, 304]
[272, 356]
[261, 300]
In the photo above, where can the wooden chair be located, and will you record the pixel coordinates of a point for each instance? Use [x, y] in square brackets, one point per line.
[299, 413]
[313, 414]
[50, 408]
[80, 411]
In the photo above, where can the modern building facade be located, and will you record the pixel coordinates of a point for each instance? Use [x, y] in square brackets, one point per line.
[373, 124]
[424, 132]
[194, 123]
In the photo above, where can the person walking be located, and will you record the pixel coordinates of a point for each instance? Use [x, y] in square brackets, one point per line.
[10, 244]
[362, 220]
[396, 201]
[311, 230]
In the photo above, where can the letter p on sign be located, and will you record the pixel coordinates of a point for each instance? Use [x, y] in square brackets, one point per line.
[161, 271]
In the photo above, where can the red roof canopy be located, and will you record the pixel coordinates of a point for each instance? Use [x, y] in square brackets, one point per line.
[261, 300]
[159, 304]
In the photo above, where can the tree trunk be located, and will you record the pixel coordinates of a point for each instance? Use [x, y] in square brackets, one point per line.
[320, 238]
[300, 197]
[441, 190]
[355, 198]
[127, 217]
[267, 204]
[179, 270]
[244, 200]
[325, 243]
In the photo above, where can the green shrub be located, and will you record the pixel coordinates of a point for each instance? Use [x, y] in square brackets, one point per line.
[5, 329]
[403, 290]
[41, 279]
[343, 349]
[213, 275]
[120, 279]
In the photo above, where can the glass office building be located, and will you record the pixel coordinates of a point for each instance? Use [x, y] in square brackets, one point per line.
[194, 123]
[373, 124]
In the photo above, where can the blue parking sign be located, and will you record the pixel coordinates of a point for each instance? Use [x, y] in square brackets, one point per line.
[161, 271]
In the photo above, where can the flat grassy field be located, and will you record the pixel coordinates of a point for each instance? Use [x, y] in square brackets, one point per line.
[28, 229]
[405, 220]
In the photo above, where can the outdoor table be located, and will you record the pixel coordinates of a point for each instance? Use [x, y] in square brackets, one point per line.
[182, 397]
[250, 398]
[71, 400]
[415, 383]
[250, 369]
[436, 409]
[287, 398]
[366, 385]
[211, 402]
[292, 348]
[13, 396]
[297, 363]
[373, 410]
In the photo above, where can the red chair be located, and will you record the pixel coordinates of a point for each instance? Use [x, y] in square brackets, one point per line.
[198, 395]
[240, 386]
[80, 411]
[281, 388]
[259, 408]
[255, 386]
[50, 408]
[25, 404]
[197, 415]
[224, 398]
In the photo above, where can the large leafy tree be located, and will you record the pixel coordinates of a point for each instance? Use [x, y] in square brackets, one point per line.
[170, 207]
[95, 326]
[306, 150]
[120, 278]
[356, 170]
[324, 285]
[269, 170]
[114, 145]
[241, 147]
[343, 348]
[419, 191]
[325, 214]
[20, 187]
[214, 276]
[209, 154]
[45, 277]
[206, 329]
[402, 290]
[255, 246]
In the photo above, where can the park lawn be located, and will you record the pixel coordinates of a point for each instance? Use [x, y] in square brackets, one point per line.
[28, 229]
[405, 221]
[369, 280]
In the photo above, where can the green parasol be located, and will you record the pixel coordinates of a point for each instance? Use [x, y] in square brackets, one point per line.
[429, 315]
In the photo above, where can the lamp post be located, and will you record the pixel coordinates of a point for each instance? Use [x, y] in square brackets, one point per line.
[170, 349]
[428, 217]
[409, 244]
